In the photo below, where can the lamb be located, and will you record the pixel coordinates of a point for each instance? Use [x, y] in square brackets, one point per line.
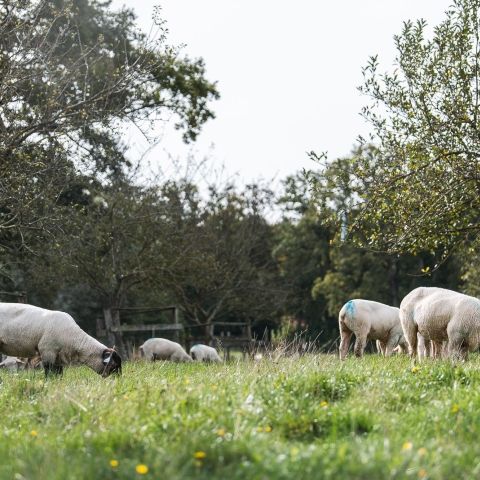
[369, 320]
[204, 353]
[27, 331]
[12, 364]
[163, 349]
[441, 315]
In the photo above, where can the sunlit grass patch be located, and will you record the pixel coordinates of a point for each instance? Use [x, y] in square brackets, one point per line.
[263, 419]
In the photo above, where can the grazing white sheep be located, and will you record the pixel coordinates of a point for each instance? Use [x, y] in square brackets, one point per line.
[441, 315]
[27, 331]
[369, 320]
[12, 364]
[204, 353]
[163, 349]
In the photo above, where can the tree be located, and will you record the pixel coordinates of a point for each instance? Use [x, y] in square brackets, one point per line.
[111, 241]
[302, 252]
[73, 72]
[422, 187]
[224, 269]
[353, 270]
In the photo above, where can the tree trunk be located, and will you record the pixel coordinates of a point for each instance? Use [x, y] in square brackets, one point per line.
[393, 282]
[112, 319]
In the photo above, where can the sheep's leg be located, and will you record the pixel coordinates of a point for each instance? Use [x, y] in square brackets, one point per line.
[52, 369]
[380, 347]
[345, 336]
[436, 349]
[360, 343]
[410, 330]
[50, 364]
[421, 347]
[457, 349]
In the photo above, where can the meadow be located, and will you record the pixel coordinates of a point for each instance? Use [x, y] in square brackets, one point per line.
[279, 418]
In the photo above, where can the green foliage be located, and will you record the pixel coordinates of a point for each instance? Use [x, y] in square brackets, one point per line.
[74, 74]
[368, 418]
[224, 268]
[422, 188]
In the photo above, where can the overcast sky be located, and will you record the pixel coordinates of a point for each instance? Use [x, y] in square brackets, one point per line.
[287, 73]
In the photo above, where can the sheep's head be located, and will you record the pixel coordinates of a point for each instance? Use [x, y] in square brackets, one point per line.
[112, 363]
[187, 358]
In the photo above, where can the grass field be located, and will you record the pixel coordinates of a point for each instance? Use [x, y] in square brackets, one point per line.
[309, 417]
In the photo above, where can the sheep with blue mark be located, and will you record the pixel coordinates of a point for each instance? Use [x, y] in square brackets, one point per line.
[28, 331]
[449, 319]
[369, 320]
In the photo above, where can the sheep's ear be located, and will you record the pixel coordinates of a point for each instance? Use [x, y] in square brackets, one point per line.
[107, 356]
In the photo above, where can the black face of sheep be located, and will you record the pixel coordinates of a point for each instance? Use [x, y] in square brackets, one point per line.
[112, 363]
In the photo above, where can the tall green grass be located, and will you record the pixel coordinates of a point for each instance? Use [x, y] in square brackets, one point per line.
[309, 417]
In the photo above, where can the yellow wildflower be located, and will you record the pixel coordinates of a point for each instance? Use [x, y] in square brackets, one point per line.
[422, 452]
[455, 408]
[199, 455]
[114, 463]
[221, 432]
[415, 369]
[324, 404]
[422, 473]
[141, 469]
[407, 446]
[34, 433]
[267, 429]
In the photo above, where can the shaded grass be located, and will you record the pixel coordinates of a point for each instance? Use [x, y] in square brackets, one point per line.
[311, 417]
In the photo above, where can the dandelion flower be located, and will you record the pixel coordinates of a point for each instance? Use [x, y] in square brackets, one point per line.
[221, 432]
[422, 452]
[407, 446]
[324, 404]
[200, 455]
[34, 433]
[114, 463]
[455, 408]
[267, 429]
[415, 369]
[141, 469]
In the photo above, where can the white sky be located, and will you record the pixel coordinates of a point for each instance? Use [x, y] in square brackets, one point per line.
[287, 73]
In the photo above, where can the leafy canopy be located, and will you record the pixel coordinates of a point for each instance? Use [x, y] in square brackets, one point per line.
[421, 189]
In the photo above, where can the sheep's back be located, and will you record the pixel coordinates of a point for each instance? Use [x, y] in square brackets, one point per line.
[161, 348]
[23, 327]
